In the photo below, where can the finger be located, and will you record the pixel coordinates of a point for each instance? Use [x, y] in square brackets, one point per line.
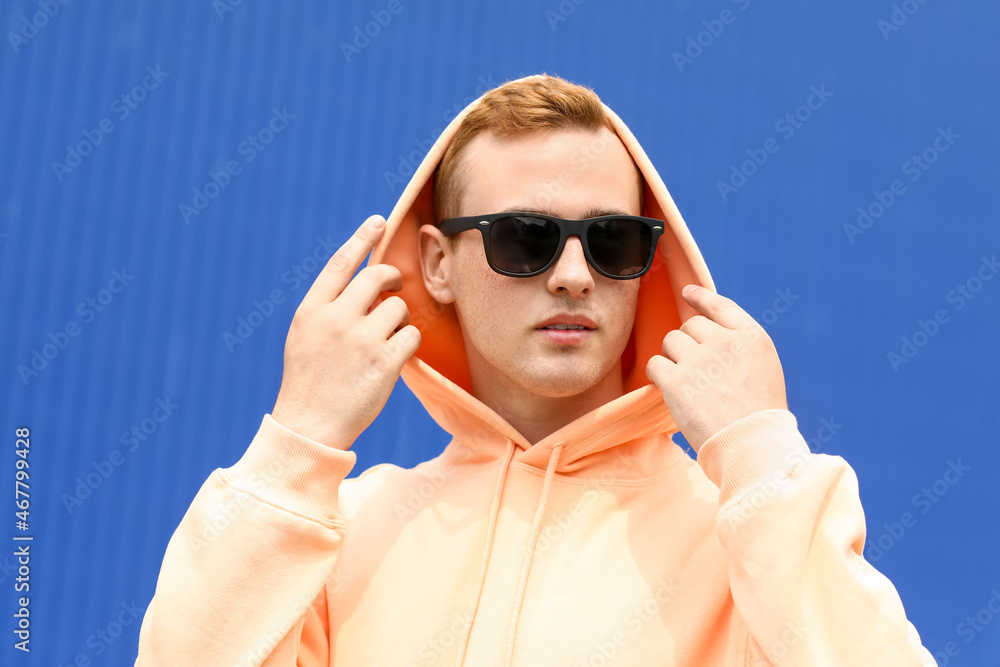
[337, 272]
[716, 307]
[401, 346]
[657, 369]
[388, 317]
[361, 292]
[677, 346]
[700, 328]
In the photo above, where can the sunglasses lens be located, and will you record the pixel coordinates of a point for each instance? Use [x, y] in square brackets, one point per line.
[522, 244]
[620, 247]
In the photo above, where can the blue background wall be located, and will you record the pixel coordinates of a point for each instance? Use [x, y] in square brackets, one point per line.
[224, 68]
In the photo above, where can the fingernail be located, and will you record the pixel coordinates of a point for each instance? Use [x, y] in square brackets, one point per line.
[688, 289]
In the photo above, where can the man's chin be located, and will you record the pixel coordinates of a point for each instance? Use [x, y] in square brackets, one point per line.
[565, 382]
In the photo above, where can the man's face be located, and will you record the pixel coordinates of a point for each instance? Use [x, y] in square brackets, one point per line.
[570, 174]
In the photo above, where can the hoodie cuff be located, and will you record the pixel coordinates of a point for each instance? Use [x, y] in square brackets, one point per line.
[751, 451]
[295, 473]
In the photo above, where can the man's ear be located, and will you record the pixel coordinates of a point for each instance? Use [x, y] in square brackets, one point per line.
[436, 257]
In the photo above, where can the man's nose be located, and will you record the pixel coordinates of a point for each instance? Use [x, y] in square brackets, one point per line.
[571, 271]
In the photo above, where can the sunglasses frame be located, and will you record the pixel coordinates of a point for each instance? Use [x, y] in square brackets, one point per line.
[567, 228]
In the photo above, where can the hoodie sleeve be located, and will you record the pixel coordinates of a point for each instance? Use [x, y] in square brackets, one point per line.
[243, 577]
[793, 526]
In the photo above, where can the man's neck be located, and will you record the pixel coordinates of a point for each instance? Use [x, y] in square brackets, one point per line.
[536, 416]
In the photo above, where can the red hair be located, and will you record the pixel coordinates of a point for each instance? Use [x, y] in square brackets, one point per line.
[541, 103]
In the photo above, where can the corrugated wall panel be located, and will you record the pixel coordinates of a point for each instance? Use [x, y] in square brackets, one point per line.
[161, 338]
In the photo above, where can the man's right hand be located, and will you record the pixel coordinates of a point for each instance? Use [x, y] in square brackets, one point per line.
[342, 362]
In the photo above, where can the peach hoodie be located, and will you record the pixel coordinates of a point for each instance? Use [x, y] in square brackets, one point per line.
[602, 544]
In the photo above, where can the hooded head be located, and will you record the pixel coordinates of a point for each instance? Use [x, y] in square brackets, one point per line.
[545, 145]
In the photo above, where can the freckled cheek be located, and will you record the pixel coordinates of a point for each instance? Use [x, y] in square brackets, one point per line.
[621, 308]
[489, 305]
[500, 301]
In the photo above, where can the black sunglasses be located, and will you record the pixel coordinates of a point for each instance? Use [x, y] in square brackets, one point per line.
[527, 244]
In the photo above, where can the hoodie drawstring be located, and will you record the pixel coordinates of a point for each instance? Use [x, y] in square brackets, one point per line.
[532, 539]
[535, 526]
[490, 530]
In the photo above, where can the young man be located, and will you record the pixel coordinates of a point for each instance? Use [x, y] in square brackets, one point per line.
[561, 525]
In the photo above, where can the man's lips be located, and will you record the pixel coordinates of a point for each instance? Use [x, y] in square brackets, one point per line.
[578, 320]
[571, 336]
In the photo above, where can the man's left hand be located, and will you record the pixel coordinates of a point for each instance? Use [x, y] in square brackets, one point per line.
[719, 367]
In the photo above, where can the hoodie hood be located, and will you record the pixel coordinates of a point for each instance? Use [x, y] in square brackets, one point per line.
[438, 373]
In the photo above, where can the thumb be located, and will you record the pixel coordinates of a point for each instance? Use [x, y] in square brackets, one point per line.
[657, 371]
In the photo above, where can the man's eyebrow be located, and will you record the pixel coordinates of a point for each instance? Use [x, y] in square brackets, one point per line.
[595, 212]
